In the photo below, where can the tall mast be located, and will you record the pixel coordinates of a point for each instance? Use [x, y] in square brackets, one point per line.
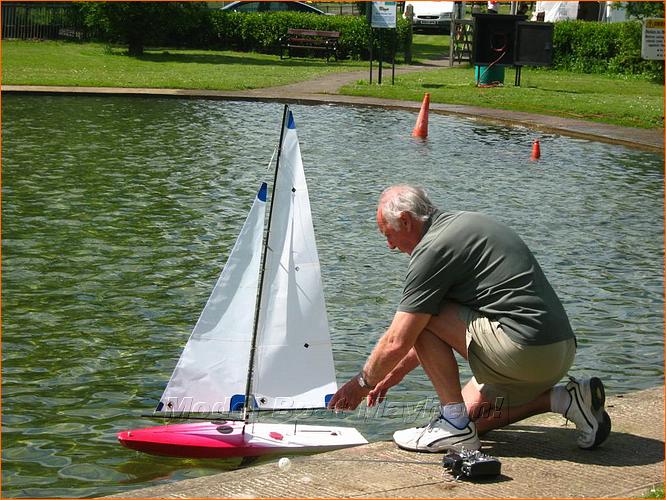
[247, 404]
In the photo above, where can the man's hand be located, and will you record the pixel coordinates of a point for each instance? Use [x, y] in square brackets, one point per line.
[393, 356]
[377, 395]
[408, 363]
[348, 397]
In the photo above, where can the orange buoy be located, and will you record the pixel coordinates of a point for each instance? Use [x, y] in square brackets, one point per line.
[421, 128]
[536, 150]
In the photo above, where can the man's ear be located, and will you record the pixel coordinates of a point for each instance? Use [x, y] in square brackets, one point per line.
[406, 221]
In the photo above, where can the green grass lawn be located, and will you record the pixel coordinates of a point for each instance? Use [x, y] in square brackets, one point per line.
[626, 101]
[92, 64]
[426, 47]
[656, 492]
[610, 99]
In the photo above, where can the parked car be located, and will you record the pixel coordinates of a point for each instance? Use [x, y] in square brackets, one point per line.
[432, 16]
[272, 7]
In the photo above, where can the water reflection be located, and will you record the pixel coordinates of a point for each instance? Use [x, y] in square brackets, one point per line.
[118, 214]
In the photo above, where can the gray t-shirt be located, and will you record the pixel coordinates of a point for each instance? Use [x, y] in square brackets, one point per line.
[471, 259]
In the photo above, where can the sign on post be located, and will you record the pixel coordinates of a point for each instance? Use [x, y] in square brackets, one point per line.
[652, 45]
[383, 15]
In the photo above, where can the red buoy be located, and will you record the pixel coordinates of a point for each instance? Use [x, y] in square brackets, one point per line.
[536, 150]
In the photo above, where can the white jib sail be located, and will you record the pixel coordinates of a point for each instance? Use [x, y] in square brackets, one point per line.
[212, 370]
[294, 359]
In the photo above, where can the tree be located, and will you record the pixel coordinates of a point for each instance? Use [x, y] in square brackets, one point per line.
[141, 23]
[362, 8]
[642, 10]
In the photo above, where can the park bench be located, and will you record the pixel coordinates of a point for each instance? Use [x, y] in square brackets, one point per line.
[310, 41]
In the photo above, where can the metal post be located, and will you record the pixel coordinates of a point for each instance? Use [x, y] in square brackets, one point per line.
[372, 42]
[409, 13]
[395, 48]
[452, 40]
[381, 54]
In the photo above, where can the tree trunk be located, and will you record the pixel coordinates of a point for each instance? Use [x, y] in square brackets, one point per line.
[135, 47]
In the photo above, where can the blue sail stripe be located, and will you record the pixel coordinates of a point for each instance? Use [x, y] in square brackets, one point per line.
[290, 122]
[263, 191]
[238, 402]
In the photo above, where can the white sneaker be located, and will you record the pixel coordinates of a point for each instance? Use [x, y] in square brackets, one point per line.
[586, 410]
[438, 436]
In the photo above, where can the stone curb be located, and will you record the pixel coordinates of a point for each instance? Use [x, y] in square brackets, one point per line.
[539, 460]
[302, 93]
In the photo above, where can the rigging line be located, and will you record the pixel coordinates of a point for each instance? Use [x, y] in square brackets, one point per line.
[248, 387]
[275, 149]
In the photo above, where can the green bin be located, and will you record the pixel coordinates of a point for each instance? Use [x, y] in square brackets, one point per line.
[484, 75]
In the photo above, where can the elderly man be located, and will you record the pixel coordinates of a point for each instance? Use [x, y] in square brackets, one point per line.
[473, 287]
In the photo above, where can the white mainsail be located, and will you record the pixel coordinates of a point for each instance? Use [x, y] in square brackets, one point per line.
[293, 363]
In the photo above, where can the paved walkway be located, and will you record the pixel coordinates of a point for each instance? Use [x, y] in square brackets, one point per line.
[539, 460]
[324, 90]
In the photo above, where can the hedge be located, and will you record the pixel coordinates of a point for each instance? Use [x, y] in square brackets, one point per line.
[192, 24]
[590, 47]
[580, 46]
[262, 32]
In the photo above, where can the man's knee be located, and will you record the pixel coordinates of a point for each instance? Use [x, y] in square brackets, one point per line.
[450, 328]
[427, 343]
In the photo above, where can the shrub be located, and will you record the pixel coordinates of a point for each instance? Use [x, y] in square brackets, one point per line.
[184, 24]
[146, 23]
[261, 32]
[590, 47]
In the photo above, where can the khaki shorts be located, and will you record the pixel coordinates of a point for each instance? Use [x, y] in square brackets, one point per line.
[503, 368]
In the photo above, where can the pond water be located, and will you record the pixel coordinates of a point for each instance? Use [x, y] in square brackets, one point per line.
[118, 214]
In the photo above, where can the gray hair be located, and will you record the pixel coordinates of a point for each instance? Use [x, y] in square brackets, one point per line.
[405, 198]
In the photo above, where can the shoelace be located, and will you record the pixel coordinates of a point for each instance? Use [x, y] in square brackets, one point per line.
[428, 427]
[432, 421]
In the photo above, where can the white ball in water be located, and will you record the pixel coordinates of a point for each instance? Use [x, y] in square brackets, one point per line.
[284, 464]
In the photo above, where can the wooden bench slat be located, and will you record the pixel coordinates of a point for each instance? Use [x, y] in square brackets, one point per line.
[292, 31]
[326, 41]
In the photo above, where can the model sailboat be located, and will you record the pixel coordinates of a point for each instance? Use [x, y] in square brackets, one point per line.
[262, 341]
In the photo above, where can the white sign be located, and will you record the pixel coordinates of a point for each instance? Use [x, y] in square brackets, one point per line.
[383, 14]
[652, 45]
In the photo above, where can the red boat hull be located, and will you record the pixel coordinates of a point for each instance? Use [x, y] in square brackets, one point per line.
[236, 439]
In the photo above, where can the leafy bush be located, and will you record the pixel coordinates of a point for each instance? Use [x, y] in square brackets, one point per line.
[147, 23]
[261, 32]
[192, 24]
[590, 47]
